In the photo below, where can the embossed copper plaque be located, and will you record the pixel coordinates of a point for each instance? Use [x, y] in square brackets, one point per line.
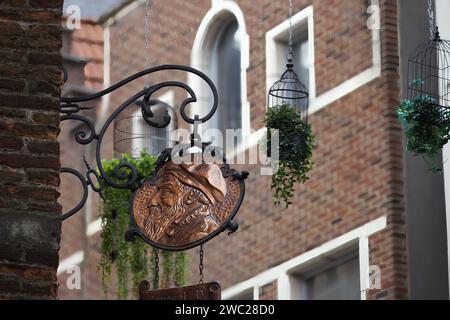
[203, 291]
[185, 205]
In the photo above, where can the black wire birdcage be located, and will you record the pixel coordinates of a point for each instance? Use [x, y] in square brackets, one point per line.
[132, 133]
[428, 81]
[289, 90]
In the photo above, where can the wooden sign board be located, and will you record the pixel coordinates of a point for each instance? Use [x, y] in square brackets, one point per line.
[203, 291]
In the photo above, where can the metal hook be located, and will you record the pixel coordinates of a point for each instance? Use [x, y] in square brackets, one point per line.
[196, 139]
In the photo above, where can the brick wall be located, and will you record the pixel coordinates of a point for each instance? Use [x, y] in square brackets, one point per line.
[85, 45]
[358, 173]
[358, 159]
[388, 249]
[30, 79]
[268, 292]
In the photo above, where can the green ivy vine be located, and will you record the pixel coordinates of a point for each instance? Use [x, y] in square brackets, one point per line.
[296, 144]
[423, 137]
[131, 258]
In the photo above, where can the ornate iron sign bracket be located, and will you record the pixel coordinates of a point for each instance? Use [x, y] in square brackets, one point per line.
[182, 205]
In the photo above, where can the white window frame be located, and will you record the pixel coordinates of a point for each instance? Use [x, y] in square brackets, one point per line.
[316, 103]
[282, 274]
[298, 286]
[276, 50]
[219, 9]
[300, 20]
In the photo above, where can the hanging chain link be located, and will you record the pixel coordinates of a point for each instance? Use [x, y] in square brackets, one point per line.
[146, 66]
[200, 266]
[431, 19]
[156, 275]
[147, 37]
[290, 55]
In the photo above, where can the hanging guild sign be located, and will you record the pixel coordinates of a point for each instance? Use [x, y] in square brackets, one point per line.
[202, 291]
[185, 205]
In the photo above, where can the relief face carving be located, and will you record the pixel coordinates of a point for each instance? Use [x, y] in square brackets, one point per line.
[187, 203]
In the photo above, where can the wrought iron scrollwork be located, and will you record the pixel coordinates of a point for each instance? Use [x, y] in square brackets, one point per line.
[125, 173]
[147, 114]
[222, 188]
[84, 184]
[81, 136]
[225, 210]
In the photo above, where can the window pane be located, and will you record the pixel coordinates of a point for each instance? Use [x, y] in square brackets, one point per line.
[246, 295]
[226, 72]
[339, 282]
[301, 59]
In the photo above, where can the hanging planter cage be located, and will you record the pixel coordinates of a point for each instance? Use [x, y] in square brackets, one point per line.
[288, 114]
[428, 81]
[133, 132]
[425, 113]
[289, 90]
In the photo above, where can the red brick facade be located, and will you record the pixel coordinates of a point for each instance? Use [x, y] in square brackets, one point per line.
[30, 79]
[358, 172]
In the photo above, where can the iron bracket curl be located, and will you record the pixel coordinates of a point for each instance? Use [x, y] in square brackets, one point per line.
[124, 172]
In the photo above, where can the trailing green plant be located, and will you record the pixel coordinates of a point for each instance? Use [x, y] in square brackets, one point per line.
[296, 144]
[181, 271]
[168, 268]
[130, 258]
[423, 137]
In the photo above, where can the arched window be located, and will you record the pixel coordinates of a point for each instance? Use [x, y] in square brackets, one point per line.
[221, 51]
[225, 70]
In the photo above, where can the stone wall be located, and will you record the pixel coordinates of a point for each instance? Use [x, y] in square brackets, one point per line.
[30, 80]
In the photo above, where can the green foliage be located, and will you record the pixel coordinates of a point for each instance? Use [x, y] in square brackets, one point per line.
[181, 271]
[130, 258]
[138, 264]
[296, 144]
[422, 137]
[167, 268]
[174, 268]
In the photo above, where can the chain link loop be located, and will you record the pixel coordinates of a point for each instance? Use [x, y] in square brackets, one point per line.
[290, 54]
[147, 37]
[200, 266]
[156, 275]
[431, 19]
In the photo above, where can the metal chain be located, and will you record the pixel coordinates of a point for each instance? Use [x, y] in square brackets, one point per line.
[156, 275]
[431, 19]
[146, 38]
[200, 266]
[290, 55]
